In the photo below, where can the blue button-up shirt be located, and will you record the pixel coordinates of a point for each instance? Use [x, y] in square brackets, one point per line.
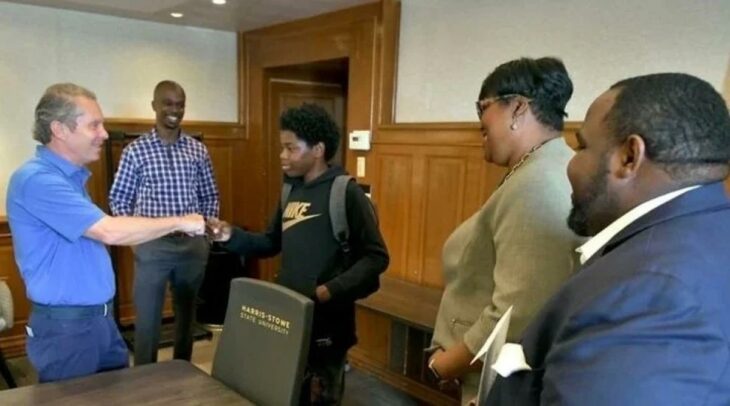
[49, 211]
[156, 179]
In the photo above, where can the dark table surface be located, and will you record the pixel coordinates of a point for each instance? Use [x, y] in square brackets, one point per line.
[172, 382]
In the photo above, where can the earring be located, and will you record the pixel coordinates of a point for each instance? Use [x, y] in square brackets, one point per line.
[513, 126]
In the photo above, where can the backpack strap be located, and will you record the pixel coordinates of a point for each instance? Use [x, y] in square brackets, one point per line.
[285, 190]
[338, 211]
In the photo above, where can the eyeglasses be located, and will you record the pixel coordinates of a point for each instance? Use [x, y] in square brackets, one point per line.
[483, 104]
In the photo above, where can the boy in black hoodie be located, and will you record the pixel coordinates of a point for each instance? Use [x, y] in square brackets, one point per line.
[312, 260]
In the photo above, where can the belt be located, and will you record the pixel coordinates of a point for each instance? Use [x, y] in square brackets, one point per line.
[177, 234]
[73, 312]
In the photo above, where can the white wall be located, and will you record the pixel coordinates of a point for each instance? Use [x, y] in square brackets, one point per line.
[119, 59]
[447, 47]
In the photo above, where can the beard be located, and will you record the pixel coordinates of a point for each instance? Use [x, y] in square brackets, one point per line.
[592, 211]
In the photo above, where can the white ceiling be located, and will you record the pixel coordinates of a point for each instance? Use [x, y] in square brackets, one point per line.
[236, 15]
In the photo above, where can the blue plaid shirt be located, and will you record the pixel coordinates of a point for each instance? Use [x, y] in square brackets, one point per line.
[155, 179]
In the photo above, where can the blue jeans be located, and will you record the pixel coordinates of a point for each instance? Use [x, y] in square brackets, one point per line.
[63, 349]
[181, 260]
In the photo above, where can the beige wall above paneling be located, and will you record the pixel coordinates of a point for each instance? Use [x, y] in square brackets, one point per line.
[448, 47]
[119, 59]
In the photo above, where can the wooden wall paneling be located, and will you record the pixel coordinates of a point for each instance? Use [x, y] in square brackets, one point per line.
[97, 185]
[255, 212]
[223, 157]
[416, 215]
[362, 65]
[417, 178]
[13, 340]
[570, 132]
[429, 178]
[445, 182]
[423, 193]
[122, 257]
[393, 197]
[373, 346]
[124, 267]
[488, 182]
[210, 129]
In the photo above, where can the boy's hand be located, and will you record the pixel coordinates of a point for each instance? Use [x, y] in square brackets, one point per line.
[218, 230]
[323, 294]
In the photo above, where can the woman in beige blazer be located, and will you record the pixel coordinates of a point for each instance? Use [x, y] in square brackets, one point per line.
[517, 249]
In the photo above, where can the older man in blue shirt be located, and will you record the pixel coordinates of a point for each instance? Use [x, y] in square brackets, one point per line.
[59, 236]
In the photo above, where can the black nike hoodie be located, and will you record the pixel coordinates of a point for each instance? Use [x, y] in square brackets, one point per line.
[310, 255]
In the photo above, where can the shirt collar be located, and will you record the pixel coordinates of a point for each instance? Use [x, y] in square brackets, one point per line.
[593, 245]
[67, 167]
[156, 137]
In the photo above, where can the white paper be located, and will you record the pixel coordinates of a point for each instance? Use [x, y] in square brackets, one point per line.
[499, 333]
[510, 359]
[489, 353]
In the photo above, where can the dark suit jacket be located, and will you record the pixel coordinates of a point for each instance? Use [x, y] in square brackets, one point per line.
[644, 322]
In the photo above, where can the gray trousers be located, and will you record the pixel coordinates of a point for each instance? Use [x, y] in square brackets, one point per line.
[181, 260]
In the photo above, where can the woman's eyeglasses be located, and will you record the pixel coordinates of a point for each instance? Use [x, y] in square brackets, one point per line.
[483, 104]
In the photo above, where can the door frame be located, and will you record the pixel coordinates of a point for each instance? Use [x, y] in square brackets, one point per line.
[365, 35]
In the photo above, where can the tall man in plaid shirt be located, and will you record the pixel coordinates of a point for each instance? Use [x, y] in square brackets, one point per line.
[166, 172]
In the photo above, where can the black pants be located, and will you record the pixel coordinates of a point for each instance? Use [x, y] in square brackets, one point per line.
[324, 383]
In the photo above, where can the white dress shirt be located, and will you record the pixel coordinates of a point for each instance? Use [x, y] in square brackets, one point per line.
[592, 246]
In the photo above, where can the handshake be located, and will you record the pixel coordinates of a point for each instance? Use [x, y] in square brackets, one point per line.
[213, 228]
[218, 230]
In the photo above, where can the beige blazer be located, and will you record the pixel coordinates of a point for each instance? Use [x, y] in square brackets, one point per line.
[515, 251]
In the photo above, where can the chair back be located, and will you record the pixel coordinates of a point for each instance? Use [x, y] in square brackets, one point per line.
[262, 352]
[6, 307]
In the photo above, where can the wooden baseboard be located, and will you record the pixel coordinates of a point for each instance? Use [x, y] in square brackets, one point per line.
[359, 360]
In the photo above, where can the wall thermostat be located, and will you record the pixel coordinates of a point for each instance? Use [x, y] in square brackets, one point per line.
[360, 140]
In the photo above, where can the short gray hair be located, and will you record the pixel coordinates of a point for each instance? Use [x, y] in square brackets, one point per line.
[57, 104]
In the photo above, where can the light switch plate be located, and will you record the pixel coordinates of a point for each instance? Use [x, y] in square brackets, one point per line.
[361, 167]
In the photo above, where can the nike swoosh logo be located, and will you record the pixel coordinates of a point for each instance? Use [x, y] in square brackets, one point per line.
[295, 221]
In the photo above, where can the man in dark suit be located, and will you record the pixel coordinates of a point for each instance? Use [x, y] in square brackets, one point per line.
[645, 321]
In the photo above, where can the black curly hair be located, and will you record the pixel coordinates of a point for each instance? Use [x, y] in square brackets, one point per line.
[545, 81]
[683, 120]
[311, 124]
